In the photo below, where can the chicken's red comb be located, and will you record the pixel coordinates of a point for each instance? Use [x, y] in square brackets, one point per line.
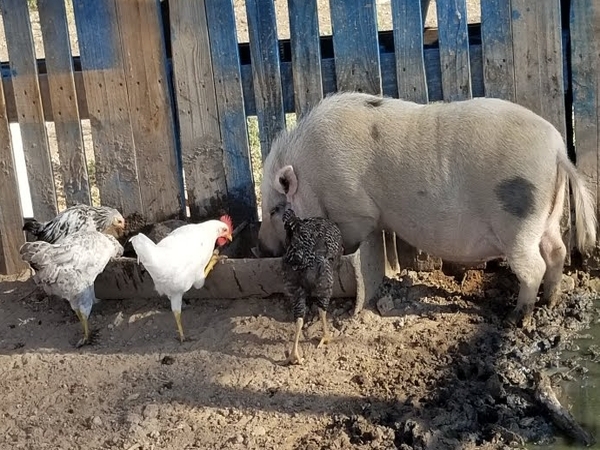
[226, 219]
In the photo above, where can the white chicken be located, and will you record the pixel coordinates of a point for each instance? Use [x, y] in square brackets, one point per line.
[68, 268]
[183, 259]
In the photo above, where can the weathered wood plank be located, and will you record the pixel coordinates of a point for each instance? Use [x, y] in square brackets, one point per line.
[59, 66]
[537, 56]
[11, 216]
[21, 53]
[585, 73]
[497, 48]
[354, 24]
[388, 74]
[152, 122]
[454, 49]
[410, 59]
[232, 115]
[106, 92]
[197, 108]
[264, 48]
[306, 54]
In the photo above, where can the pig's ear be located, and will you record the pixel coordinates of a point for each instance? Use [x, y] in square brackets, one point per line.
[286, 182]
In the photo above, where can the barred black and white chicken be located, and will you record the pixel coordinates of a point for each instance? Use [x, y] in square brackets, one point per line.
[69, 268]
[312, 258]
[77, 218]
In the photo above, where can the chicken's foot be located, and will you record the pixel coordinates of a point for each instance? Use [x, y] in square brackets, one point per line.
[177, 315]
[326, 339]
[294, 356]
[214, 259]
[86, 332]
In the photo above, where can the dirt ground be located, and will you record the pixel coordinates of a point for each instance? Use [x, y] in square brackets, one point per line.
[427, 366]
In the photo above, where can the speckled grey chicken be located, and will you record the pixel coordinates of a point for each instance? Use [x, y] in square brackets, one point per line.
[312, 258]
[78, 218]
[69, 268]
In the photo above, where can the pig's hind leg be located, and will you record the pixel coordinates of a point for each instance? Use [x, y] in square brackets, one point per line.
[529, 267]
[553, 251]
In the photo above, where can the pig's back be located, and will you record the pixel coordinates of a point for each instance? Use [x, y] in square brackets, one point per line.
[372, 158]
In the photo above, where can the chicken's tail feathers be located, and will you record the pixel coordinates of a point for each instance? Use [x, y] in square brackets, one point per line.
[33, 226]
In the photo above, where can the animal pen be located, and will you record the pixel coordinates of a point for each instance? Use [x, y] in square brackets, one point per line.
[168, 89]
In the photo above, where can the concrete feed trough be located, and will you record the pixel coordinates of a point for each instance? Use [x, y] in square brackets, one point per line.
[360, 275]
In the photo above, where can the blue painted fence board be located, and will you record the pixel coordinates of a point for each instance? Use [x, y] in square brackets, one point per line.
[264, 48]
[585, 73]
[306, 54]
[454, 49]
[496, 37]
[408, 44]
[355, 42]
[232, 115]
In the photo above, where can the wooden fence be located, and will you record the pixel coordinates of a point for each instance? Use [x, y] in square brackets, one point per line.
[168, 88]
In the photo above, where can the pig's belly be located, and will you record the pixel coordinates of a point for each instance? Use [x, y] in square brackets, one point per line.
[457, 240]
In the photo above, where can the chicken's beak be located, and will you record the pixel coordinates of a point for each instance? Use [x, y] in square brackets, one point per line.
[229, 237]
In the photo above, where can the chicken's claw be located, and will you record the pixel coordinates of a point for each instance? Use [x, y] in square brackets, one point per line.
[86, 331]
[294, 359]
[327, 338]
[294, 356]
[177, 315]
[214, 259]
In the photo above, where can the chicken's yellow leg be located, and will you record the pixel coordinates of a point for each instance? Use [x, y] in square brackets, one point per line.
[86, 331]
[294, 357]
[214, 259]
[326, 339]
[177, 315]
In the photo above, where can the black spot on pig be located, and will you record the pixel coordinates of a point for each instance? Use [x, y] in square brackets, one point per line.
[375, 135]
[516, 196]
[374, 102]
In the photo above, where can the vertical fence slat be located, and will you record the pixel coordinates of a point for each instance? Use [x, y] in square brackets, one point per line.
[306, 54]
[201, 147]
[264, 50]
[355, 44]
[152, 122]
[537, 50]
[497, 48]
[232, 116]
[11, 217]
[408, 42]
[65, 111]
[106, 92]
[454, 49]
[585, 73]
[21, 54]
[537, 44]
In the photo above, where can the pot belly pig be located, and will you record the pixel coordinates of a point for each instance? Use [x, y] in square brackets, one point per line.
[467, 181]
